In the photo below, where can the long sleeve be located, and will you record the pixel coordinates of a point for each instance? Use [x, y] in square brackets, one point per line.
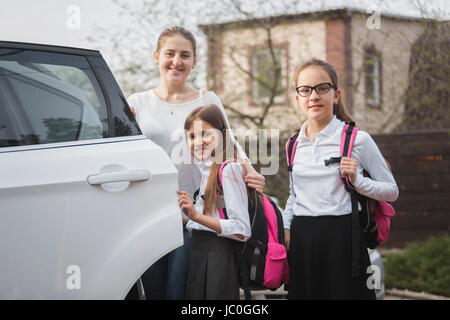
[236, 201]
[289, 208]
[381, 185]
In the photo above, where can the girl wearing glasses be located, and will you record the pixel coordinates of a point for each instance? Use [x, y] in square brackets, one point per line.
[161, 113]
[317, 217]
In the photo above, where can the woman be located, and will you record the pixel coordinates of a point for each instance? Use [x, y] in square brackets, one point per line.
[317, 217]
[161, 113]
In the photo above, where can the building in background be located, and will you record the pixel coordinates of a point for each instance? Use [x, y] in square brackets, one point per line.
[394, 74]
[251, 65]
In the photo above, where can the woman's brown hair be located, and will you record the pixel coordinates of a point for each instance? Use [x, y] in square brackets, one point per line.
[177, 30]
[338, 108]
[213, 116]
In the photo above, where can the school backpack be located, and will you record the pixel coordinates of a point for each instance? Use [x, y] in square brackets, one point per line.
[262, 259]
[374, 218]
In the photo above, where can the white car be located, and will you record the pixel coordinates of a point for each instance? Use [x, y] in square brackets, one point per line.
[87, 203]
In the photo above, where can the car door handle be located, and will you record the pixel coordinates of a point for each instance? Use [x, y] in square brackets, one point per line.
[120, 176]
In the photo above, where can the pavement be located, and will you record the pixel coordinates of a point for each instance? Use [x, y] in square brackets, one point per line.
[391, 294]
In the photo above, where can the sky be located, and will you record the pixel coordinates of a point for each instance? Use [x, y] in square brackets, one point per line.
[71, 22]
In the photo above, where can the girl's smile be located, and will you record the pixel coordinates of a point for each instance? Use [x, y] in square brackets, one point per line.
[203, 140]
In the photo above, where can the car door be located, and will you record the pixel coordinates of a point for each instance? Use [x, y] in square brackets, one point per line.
[87, 203]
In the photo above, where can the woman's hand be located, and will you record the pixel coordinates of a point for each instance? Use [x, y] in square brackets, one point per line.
[252, 178]
[132, 111]
[287, 238]
[255, 180]
[348, 168]
[186, 204]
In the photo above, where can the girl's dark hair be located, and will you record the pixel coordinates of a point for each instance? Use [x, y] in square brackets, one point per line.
[338, 108]
[214, 117]
[172, 31]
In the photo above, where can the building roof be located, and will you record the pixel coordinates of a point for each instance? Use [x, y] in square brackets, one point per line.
[314, 15]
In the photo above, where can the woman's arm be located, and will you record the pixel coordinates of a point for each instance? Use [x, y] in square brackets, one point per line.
[134, 104]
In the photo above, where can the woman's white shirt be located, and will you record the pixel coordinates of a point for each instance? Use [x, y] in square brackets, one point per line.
[317, 190]
[163, 123]
[236, 202]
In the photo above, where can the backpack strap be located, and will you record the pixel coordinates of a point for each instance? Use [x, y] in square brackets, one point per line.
[347, 140]
[222, 211]
[291, 146]
[196, 193]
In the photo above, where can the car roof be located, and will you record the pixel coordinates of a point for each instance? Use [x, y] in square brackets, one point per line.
[51, 48]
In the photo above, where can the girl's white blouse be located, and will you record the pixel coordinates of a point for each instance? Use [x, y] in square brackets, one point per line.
[163, 123]
[236, 202]
[317, 190]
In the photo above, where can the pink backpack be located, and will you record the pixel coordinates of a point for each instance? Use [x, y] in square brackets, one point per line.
[374, 219]
[262, 260]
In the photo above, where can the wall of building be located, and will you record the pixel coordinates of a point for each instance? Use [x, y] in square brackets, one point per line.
[301, 40]
[393, 42]
[339, 40]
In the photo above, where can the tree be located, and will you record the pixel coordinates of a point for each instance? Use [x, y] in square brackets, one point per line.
[428, 93]
[134, 44]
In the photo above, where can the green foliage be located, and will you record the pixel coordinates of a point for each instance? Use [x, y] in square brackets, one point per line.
[424, 266]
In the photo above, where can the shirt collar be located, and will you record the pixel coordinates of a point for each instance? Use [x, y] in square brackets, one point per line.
[205, 167]
[331, 127]
[328, 131]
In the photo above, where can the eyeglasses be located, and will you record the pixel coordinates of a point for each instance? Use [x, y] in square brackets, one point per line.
[321, 88]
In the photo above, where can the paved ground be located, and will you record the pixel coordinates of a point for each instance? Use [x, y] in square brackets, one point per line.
[391, 294]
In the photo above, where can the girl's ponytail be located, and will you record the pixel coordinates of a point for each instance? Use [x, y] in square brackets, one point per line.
[338, 109]
[341, 112]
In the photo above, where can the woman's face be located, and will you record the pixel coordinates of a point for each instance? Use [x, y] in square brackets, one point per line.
[175, 59]
[317, 107]
[203, 139]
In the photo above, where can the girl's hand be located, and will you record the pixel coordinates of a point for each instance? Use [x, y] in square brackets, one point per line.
[287, 238]
[255, 180]
[348, 168]
[186, 204]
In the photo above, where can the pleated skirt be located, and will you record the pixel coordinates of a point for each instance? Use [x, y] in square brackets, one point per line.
[320, 259]
[213, 271]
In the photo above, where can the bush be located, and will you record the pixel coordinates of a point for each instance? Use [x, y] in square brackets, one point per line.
[423, 266]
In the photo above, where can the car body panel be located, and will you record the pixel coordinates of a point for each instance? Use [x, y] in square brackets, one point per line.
[52, 218]
[85, 217]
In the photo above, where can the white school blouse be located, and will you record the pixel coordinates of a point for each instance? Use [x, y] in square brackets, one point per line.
[236, 202]
[317, 190]
[163, 123]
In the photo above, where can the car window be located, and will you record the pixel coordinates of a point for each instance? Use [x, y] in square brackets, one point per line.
[49, 97]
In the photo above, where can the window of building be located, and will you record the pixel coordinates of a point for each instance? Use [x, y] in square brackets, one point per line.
[268, 76]
[372, 72]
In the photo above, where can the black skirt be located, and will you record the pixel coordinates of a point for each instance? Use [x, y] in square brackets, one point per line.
[213, 271]
[320, 259]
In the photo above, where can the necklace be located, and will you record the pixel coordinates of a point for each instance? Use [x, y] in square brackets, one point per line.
[172, 109]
